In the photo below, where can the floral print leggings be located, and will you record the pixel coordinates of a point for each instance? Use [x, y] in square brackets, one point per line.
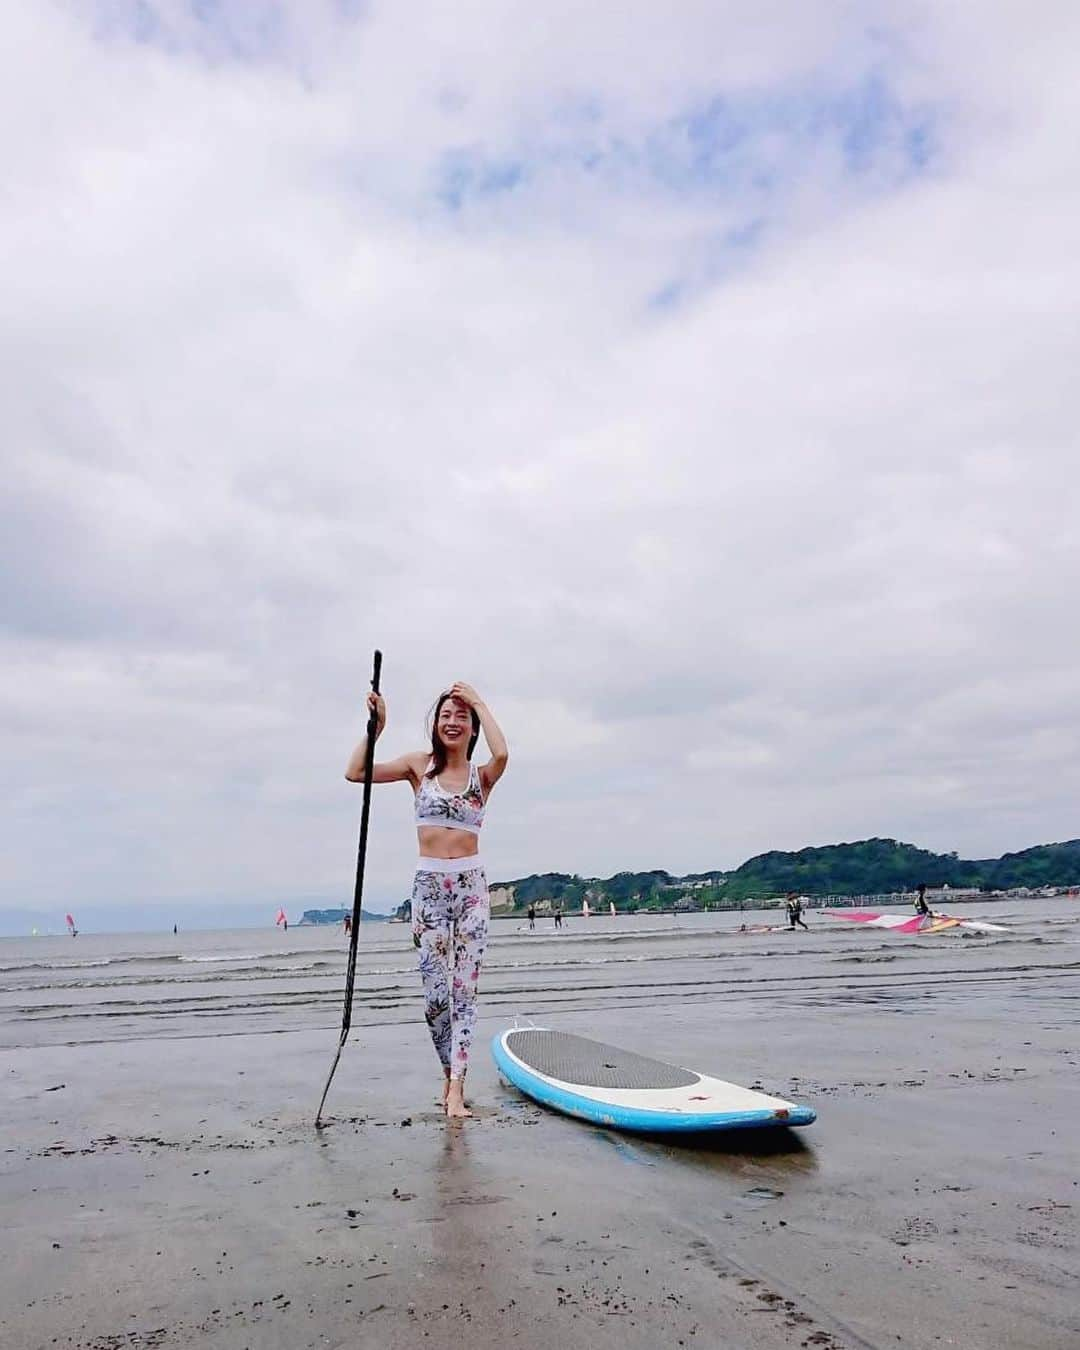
[450, 913]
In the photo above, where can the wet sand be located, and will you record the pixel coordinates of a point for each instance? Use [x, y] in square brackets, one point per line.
[172, 1192]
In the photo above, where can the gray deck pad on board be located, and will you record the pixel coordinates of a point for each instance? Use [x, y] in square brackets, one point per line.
[585, 1063]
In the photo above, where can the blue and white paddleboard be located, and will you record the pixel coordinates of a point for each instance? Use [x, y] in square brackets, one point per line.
[618, 1088]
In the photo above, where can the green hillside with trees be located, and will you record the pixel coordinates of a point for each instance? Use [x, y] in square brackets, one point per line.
[865, 867]
[878, 866]
[1044, 865]
[871, 866]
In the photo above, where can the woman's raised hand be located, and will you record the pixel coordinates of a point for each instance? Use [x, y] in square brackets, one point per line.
[465, 692]
[377, 704]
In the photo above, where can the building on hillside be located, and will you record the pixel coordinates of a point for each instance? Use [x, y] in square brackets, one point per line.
[501, 897]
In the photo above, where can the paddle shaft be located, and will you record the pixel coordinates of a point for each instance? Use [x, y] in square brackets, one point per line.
[358, 889]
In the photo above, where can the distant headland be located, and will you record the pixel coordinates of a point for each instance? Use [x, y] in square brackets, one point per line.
[337, 915]
[866, 867]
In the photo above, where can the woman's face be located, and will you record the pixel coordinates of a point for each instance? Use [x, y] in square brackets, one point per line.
[454, 723]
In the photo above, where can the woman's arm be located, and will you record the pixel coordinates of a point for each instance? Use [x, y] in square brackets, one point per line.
[493, 770]
[402, 769]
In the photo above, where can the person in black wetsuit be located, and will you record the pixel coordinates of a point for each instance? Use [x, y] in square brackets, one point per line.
[921, 907]
[794, 911]
[532, 918]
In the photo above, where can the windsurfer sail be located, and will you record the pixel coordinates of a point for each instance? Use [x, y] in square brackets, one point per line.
[917, 923]
[71, 925]
[282, 920]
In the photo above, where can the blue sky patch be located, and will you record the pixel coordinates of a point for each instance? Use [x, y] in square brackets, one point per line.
[468, 176]
[751, 148]
[215, 29]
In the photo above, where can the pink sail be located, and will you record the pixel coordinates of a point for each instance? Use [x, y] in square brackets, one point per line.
[281, 917]
[915, 923]
[899, 923]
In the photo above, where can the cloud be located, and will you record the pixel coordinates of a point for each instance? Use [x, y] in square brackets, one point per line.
[698, 381]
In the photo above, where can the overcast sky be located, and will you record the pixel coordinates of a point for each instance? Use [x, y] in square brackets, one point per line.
[697, 379]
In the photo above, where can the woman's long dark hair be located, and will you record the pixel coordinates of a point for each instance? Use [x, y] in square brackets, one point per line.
[438, 750]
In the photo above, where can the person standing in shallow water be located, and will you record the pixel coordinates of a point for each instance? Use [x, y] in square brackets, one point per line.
[450, 905]
[921, 907]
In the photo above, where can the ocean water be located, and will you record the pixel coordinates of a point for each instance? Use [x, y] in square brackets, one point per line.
[115, 987]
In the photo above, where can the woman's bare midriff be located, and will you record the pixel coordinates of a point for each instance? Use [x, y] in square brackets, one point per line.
[437, 842]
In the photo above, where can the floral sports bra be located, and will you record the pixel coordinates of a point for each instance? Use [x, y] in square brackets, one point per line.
[462, 810]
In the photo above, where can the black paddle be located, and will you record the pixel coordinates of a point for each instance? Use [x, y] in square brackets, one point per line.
[358, 892]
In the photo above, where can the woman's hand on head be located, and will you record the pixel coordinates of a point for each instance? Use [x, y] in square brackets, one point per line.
[465, 692]
[377, 704]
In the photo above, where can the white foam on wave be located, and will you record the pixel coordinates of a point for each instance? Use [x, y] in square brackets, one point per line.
[55, 965]
[233, 956]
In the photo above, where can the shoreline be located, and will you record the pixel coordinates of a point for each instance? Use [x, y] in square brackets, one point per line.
[378, 921]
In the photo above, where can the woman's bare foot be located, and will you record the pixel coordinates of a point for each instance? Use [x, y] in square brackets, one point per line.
[455, 1101]
[445, 1090]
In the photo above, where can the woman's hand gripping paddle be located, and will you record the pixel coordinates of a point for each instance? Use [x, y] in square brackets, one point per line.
[358, 892]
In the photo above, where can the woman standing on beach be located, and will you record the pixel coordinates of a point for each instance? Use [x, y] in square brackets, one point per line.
[450, 907]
